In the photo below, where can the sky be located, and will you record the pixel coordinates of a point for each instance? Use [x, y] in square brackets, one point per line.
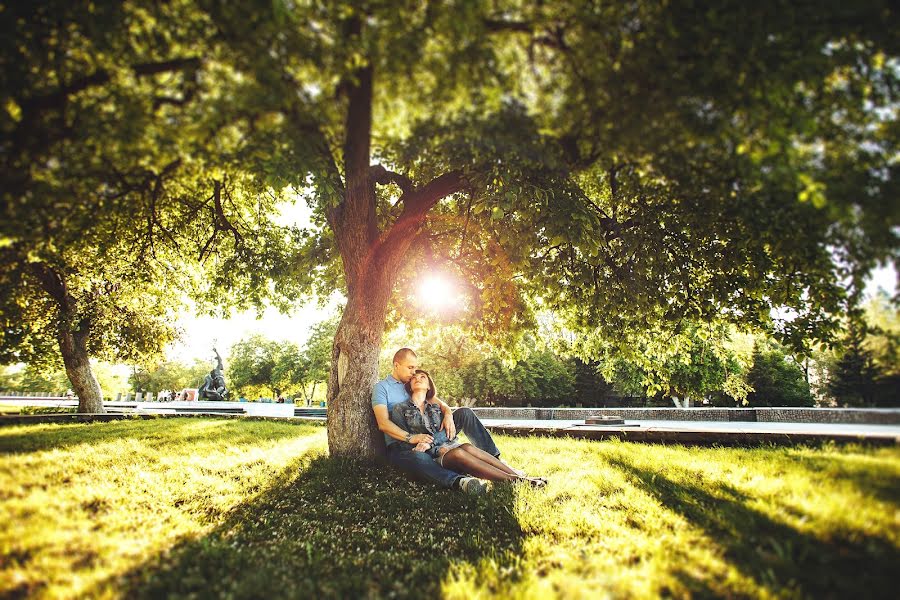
[201, 333]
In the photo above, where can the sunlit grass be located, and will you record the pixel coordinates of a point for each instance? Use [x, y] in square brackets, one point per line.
[212, 508]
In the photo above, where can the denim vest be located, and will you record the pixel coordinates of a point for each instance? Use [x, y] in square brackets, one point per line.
[406, 416]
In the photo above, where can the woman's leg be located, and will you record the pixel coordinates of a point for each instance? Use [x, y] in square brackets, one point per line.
[463, 462]
[491, 460]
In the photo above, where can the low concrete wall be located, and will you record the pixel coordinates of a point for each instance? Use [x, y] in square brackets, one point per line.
[872, 416]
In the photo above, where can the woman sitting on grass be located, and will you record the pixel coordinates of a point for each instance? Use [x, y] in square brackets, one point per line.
[421, 415]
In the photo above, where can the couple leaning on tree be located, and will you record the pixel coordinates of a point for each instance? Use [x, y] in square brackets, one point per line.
[420, 432]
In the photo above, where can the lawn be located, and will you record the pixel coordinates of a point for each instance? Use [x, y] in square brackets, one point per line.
[255, 509]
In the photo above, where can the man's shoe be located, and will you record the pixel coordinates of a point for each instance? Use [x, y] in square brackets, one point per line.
[472, 485]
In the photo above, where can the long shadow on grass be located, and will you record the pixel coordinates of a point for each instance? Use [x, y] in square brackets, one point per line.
[155, 432]
[336, 529]
[775, 555]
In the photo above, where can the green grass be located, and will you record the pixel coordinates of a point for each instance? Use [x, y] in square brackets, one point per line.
[19, 409]
[213, 508]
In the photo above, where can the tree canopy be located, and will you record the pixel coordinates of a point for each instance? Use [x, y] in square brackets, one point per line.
[633, 166]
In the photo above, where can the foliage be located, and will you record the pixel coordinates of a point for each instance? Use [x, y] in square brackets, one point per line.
[855, 379]
[251, 363]
[36, 378]
[776, 380]
[591, 388]
[540, 378]
[862, 368]
[253, 508]
[712, 192]
[169, 375]
[882, 319]
[315, 358]
[30, 378]
[693, 361]
[258, 364]
[123, 174]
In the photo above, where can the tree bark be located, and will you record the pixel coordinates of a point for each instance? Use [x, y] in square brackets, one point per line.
[372, 259]
[352, 431]
[72, 334]
[73, 346]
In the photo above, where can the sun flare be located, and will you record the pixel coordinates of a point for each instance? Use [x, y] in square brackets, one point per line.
[437, 293]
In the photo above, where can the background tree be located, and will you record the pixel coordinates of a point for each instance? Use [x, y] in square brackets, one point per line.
[53, 380]
[692, 363]
[776, 380]
[289, 369]
[317, 356]
[118, 179]
[852, 380]
[169, 375]
[591, 388]
[251, 365]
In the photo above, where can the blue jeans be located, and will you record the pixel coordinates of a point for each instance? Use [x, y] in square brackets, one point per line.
[421, 465]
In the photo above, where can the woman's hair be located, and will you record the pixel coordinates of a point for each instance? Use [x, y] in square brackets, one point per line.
[432, 390]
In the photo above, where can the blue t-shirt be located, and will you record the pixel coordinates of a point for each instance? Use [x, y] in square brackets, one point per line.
[389, 392]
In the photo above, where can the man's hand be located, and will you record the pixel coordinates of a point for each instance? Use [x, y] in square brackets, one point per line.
[421, 438]
[422, 447]
[448, 425]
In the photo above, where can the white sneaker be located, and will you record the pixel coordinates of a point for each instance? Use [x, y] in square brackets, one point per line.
[472, 485]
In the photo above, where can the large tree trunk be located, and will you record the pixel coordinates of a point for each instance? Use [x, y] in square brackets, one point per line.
[352, 431]
[372, 258]
[72, 334]
[73, 346]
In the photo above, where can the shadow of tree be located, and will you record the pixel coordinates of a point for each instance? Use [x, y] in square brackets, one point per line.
[335, 528]
[776, 556]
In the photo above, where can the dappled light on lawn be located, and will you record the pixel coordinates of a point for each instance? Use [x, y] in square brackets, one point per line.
[249, 509]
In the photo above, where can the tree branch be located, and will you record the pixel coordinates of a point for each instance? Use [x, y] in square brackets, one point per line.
[424, 198]
[382, 176]
[52, 282]
[416, 204]
[57, 99]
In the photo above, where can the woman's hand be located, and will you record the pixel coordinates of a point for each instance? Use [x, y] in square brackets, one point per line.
[422, 447]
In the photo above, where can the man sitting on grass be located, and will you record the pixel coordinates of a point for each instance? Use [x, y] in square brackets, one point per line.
[390, 392]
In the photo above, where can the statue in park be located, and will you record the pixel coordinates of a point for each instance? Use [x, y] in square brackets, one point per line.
[213, 387]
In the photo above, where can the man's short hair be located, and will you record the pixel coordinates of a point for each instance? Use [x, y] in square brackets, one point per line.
[403, 353]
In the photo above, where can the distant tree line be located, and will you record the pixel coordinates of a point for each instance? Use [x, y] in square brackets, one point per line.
[697, 367]
[261, 367]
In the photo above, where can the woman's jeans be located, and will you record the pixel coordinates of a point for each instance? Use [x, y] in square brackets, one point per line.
[421, 465]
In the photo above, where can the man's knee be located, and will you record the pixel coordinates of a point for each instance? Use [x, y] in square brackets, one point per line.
[464, 415]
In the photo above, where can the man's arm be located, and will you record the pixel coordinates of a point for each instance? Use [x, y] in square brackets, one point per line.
[383, 419]
[392, 429]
